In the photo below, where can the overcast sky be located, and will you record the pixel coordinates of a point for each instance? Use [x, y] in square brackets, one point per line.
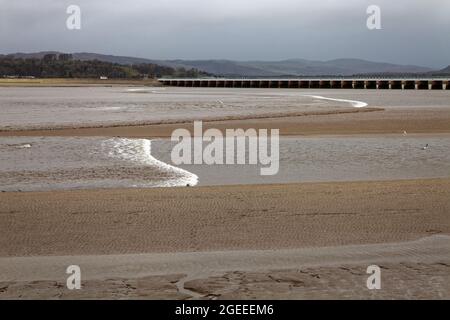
[413, 31]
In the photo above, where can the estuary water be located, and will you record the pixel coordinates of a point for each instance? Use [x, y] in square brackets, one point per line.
[51, 163]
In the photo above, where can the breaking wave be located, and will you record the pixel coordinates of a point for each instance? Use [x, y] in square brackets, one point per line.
[138, 151]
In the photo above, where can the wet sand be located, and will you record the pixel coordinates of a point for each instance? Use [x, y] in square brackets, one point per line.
[308, 240]
[417, 268]
[351, 121]
[405, 280]
[184, 219]
[101, 223]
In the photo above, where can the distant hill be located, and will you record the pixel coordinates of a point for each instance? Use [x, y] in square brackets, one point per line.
[63, 65]
[334, 67]
[224, 67]
[291, 67]
[445, 71]
[84, 56]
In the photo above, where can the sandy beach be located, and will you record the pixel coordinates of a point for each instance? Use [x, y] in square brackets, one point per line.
[101, 223]
[272, 241]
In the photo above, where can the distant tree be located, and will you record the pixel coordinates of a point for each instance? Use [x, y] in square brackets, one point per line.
[50, 57]
[63, 66]
[65, 57]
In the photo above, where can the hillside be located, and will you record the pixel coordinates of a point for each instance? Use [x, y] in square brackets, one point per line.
[445, 71]
[62, 65]
[291, 67]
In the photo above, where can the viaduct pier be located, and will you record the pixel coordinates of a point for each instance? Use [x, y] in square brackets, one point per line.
[328, 83]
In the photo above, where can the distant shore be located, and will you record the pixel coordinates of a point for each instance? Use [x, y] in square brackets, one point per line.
[75, 82]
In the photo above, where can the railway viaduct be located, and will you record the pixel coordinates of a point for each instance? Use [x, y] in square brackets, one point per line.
[328, 83]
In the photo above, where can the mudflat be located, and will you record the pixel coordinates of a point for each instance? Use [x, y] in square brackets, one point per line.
[270, 241]
[351, 121]
[221, 218]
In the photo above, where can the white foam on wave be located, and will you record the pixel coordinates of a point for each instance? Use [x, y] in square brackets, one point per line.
[139, 151]
[354, 103]
[145, 90]
[188, 178]
[108, 108]
[18, 146]
[137, 90]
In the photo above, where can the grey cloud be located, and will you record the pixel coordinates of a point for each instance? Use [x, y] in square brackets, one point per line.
[414, 31]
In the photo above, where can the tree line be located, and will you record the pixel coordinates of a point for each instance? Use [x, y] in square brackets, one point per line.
[64, 66]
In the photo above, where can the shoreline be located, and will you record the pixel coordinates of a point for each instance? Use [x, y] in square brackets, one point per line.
[74, 82]
[205, 187]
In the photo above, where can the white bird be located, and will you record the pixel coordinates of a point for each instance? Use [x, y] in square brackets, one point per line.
[426, 147]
